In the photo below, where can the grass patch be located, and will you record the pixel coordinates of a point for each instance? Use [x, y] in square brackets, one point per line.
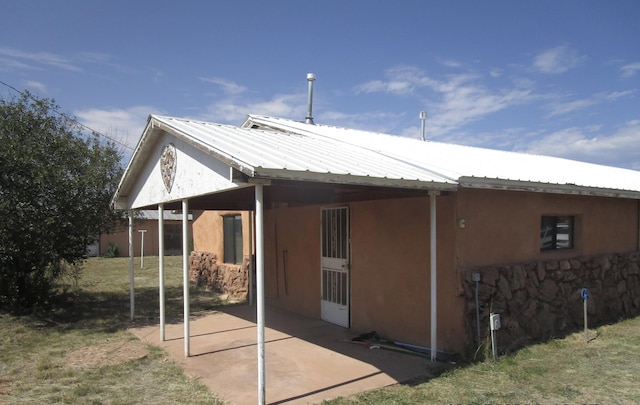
[562, 371]
[44, 354]
[48, 357]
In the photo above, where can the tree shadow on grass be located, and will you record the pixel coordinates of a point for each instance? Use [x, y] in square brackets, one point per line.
[110, 312]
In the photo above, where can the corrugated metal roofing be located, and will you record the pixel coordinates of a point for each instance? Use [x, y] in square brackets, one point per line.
[286, 155]
[476, 167]
[291, 150]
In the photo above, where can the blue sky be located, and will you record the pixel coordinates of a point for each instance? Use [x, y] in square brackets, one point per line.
[558, 78]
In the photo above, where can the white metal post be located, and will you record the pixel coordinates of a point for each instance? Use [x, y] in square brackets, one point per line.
[142, 232]
[434, 278]
[161, 268]
[251, 263]
[185, 272]
[131, 292]
[260, 291]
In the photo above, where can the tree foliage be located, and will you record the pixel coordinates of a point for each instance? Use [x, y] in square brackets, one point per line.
[56, 184]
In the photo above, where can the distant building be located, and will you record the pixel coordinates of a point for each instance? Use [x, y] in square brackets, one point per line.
[146, 220]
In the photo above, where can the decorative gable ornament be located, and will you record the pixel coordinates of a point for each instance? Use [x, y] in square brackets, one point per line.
[168, 165]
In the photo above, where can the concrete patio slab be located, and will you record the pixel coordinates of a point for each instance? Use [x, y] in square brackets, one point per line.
[306, 360]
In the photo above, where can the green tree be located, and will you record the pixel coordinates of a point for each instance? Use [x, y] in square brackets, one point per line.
[56, 184]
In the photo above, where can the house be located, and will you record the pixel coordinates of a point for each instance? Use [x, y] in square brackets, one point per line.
[419, 241]
[145, 231]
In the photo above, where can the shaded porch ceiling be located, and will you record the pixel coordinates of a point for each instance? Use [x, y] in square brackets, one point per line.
[293, 193]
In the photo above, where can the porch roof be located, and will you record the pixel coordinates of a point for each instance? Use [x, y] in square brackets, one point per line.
[261, 154]
[472, 166]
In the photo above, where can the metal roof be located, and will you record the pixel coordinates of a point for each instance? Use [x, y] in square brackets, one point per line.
[473, 166]
[274, 148]
[286, 155]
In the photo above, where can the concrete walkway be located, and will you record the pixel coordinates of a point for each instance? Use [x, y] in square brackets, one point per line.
[307, 360]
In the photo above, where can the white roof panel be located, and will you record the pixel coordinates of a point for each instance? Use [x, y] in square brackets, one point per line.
[475, 167]
[286, 155]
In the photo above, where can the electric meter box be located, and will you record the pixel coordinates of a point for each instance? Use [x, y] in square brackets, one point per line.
[494, 321]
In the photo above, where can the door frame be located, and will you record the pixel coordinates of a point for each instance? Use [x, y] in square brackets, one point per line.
[335, 265]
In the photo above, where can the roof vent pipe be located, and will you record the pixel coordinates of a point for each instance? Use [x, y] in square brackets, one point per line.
[423, 117]
[310, 77]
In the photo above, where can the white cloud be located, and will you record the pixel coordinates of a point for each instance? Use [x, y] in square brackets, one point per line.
[37, 86]
[402, 80]
[228, 86]
[575, 105]
[282, 105]
[41, 58]
[630, 70]
[593, 144]
[123, 125]
[557, 60]
[453, 102]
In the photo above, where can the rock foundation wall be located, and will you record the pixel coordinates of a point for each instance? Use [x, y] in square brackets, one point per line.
[540, 300]
[206, 272]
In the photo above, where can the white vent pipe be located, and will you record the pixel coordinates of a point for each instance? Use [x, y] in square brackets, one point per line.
[310, 78]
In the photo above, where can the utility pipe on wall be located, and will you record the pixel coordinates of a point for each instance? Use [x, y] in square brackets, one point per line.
[161, 267]
[131, 293]
[185, 272]
[260, 291]
[434, 289]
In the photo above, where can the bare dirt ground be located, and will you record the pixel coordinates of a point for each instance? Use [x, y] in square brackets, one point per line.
[106, 354]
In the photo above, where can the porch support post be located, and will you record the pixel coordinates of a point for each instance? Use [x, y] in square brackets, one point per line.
[251, 263]
[131, 289]
[260, 290]
[434, 281]
[161, 267]
[185, 272]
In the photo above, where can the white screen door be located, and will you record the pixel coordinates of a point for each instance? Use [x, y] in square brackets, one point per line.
[335, 266]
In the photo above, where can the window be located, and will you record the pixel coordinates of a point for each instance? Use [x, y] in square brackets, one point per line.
[232, 229]
[556, 233]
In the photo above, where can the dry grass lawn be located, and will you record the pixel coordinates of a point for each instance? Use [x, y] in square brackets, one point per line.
[80, 352]
[562, 371]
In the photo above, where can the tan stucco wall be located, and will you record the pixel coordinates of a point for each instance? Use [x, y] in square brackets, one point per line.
[296, 231]
[390, 268]
[390, 263]
[208, 231]
[391, 271]
[503, 226]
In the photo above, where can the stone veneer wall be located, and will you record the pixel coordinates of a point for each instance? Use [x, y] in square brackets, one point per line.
[205, 271]
[540, 300]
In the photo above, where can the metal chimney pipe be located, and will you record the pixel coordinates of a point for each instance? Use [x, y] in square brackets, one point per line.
[423, 117]
[310, 78]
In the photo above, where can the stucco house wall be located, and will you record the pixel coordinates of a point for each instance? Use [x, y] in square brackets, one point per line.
[504, 226]
[208, 232]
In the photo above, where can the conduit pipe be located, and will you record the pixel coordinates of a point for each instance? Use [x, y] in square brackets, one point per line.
[185, 272]
[260, 290]
[161, 268]
[434, 287]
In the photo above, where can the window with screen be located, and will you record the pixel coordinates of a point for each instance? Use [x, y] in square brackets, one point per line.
[556, 232]
[232, 229]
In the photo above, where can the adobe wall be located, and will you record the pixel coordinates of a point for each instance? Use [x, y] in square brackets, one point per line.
[292, 259]
[206, 272]
[208, 231]
[504, 226]
[539, 300]
[390, 271]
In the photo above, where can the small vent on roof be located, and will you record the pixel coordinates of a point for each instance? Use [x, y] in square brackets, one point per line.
[310, 78]
[423, 118]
